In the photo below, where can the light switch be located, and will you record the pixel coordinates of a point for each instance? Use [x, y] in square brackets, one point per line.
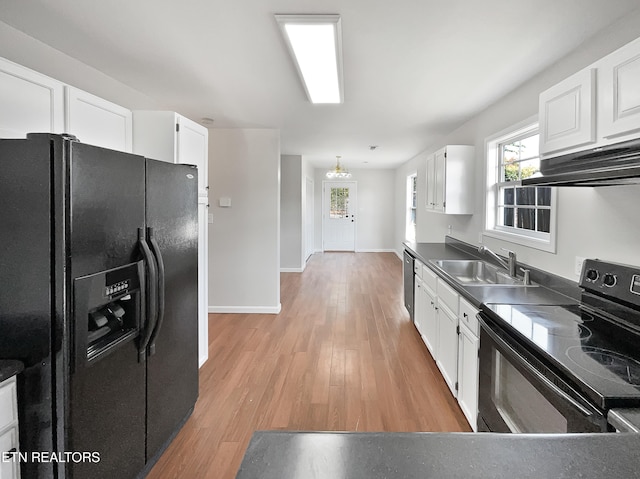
[225, 202]
[210, 218]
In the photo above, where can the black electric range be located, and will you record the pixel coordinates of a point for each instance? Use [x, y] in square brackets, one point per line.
[593, 345]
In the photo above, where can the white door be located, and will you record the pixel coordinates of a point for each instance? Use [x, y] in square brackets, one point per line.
[339, 205]
[193, 149]
[309, 233]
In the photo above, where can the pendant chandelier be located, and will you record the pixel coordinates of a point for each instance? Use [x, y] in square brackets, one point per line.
[338, 171]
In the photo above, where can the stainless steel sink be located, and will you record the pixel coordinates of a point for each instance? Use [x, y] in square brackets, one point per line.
[477, 273]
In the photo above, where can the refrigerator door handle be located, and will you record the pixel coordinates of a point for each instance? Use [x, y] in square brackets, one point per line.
[158, 255]
[151, 296]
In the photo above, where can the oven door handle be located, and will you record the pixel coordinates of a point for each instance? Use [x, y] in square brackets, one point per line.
[537, 374]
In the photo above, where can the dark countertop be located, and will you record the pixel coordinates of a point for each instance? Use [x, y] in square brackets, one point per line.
[318, 455]
[9, 368]
[558, 292]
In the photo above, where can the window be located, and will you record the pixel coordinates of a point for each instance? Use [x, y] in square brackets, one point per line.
[412, 204]
[339, 203]
[516, 213]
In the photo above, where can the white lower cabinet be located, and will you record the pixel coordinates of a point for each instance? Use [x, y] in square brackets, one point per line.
[449, 328]
[447, 358]
[425, 314]
[418, 303]
[468, 365]
[430, 321]
[9, 464]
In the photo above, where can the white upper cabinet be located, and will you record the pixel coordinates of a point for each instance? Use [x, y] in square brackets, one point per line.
[29, 102]
[167, 136]
[96, 121]
[619, 92]
[450, 180]
[596, 107]
[567, 113]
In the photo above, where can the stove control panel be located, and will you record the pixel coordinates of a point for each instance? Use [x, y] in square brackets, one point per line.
[618, 281]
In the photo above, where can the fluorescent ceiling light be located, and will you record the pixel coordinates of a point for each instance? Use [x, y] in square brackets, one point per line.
[315, 42]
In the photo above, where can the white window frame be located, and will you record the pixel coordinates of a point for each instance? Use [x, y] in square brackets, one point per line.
[410, 228]
[532, 239]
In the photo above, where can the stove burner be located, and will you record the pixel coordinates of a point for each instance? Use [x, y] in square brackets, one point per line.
[617, 367]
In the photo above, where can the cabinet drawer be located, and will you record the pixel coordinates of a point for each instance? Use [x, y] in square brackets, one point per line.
[468, 316]
[417, 268]
[430, 278]
[448, 296]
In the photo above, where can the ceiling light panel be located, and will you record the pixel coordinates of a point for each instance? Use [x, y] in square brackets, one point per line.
[315, 43]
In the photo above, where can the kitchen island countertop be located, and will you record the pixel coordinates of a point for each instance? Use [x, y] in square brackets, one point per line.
[352, 455]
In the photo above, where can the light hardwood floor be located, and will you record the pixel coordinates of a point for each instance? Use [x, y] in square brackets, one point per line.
[342, 355]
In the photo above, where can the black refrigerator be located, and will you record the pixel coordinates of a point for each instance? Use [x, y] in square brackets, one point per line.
[98, 297]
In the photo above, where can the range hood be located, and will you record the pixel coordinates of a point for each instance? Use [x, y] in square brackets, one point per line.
[617, 164]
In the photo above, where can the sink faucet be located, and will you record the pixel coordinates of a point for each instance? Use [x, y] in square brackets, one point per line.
[509, 266]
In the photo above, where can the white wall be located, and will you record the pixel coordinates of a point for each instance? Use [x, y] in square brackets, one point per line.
[31, 53]
[375, 220]
[291, 213]
[244, 239]
[592, 222]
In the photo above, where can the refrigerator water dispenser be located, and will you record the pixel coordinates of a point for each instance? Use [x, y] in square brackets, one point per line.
[107, 311]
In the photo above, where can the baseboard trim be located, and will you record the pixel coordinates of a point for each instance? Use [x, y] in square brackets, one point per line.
[292, 270]
[246, 309]
[376, 250]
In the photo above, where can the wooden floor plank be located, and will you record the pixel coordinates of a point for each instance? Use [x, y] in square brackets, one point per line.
[342, 355]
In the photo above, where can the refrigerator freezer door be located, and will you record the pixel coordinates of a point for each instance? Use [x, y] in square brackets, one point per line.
[107, 208]
[107, 396]
[172, 370]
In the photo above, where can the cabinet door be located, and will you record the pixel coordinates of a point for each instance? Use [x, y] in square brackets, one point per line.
[97, 121]
[417, 301]
[9, 464]
[203, 284]
[439, 189]
[430, 323]
[192, 149]
[29, 102]
[431, 182]
[566, 113]
[619, 91]
[468, 344]
[447, 359]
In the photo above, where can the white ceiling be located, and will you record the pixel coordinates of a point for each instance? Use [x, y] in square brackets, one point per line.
[413, 69]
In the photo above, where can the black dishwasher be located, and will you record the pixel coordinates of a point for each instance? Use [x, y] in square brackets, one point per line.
[408, 282]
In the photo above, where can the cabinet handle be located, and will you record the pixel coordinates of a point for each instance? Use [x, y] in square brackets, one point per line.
[464, 315]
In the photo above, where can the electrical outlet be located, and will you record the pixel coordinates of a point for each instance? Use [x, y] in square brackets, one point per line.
[480, 238]
[578, 265]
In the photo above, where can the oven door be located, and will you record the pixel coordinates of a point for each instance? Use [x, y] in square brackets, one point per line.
[519, 394]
